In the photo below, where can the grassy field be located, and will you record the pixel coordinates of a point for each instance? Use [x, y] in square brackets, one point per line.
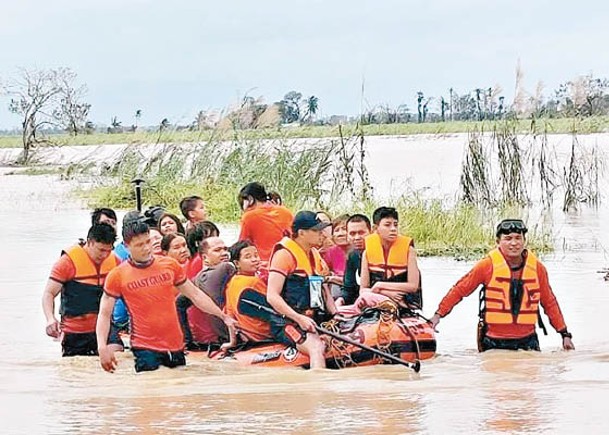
[562, 125]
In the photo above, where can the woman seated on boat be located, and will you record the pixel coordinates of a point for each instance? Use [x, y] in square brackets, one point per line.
[170, 223]
[246, 285]
[336, 257]
[156, 238]
[174, 245]
[326, 235]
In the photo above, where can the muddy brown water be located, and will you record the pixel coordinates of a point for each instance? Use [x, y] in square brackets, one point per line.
[458, 391]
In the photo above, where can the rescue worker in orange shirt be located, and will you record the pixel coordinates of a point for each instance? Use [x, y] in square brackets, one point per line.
[146, 284]
[79, 276]
[514, 285]
[295, 288]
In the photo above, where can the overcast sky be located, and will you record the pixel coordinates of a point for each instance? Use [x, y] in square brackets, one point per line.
[173, 58]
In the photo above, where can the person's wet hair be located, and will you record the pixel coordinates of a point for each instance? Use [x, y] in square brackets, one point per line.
[188, 204]
[275, 198]
[199, 232]
[98, 212]
[102, 233]
[254, 190]
[134, 229]
[339, 220]
[358, 217]
[168, 238]
[383, 213]
[235, 250]
[204, 245]
[174, 218]
[133, 216]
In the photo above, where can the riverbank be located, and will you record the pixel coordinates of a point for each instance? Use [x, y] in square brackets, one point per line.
[551, 126]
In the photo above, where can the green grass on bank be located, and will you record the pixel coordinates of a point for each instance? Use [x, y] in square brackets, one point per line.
[553, 126]
[460, 231]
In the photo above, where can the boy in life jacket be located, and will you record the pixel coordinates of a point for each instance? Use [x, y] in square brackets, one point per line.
[247, 285]
[389, 265]
[295, 288]
[514, 284]
[79, 276]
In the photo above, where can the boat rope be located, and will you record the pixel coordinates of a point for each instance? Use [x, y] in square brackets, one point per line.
[388, 311]
[340, 349]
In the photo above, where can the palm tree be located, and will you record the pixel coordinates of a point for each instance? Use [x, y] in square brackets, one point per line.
[164, 124]
[420, 97]
[312, 106]
[138, 116]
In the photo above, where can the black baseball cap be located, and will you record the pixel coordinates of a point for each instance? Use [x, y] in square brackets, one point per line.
[307, 220]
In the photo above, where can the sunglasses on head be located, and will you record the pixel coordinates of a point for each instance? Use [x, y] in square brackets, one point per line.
[511, 226]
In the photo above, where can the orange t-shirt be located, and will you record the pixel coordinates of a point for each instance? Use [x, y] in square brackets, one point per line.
[264, 226]
[62, 272]
[481, 274]
[149, 295]
[256, 329]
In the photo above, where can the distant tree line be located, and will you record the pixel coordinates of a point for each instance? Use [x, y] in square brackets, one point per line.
[583, 97]
[52, 100]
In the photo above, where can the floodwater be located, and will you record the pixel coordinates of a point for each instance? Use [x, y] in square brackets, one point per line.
[458, 391]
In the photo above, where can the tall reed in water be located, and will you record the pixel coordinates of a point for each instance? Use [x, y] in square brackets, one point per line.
[307, 174]
[497, 170]
[581, 177]
[511, 165]
[476, 181]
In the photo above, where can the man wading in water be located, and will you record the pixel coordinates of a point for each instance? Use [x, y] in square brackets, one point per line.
[146, 284]
[79, 276]
[514, 284]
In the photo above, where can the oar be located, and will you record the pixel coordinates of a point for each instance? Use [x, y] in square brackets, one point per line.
[416, 366]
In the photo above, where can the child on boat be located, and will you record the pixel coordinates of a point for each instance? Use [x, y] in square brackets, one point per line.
[247, 285]
[389, 265]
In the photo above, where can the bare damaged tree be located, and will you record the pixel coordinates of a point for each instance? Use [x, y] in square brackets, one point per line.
[45, 97]
[33, 94]
[72, 111]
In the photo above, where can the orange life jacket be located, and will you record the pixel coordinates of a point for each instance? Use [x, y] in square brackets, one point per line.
[396, 263]
[393, 268]
[296, 286]
[82, 294]
[498, 306]
[254, 328]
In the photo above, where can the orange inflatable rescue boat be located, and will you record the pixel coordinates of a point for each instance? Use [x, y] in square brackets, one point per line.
[407, 336]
